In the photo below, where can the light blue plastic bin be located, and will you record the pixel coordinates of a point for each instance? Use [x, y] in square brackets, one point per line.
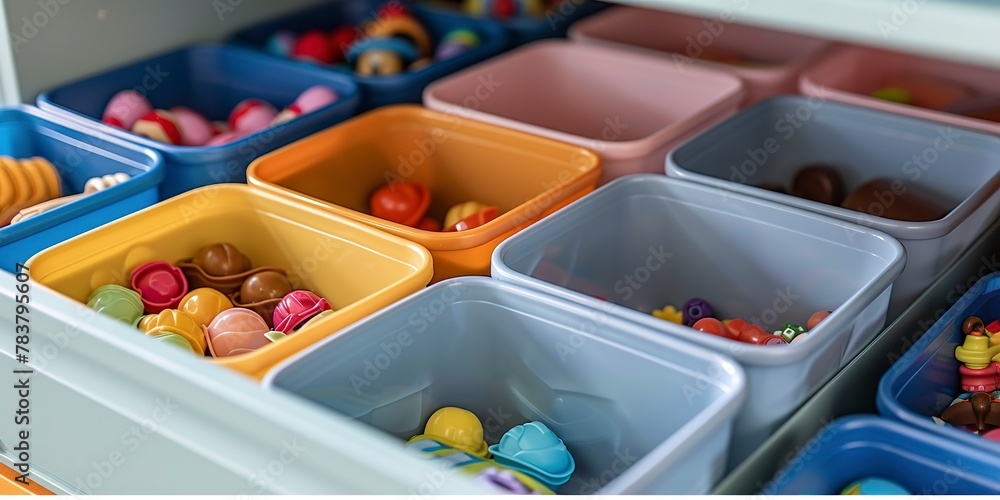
[925, 380]
[78, 155]
[646, 241]
[770, 141]
[639, 414]
[861, 446]
[211, 79]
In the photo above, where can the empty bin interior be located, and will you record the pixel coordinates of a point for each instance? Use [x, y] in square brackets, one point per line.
[771, 142]
[509, 362]
[586, 91]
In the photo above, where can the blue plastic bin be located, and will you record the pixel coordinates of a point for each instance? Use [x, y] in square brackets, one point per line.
[925, 380]
[554, 23]
[382, 90]
[78, 155]
[861, 446]
[211, 79]
[638, 416]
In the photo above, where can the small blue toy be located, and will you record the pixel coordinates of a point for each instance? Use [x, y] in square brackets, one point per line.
[874, 486]
[535, 450]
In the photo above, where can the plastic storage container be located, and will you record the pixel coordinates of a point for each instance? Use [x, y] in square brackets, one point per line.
[857, 447]
[771, 141]
[925, 380]
[625, 405]
[211, 79]
[851, 74]
[357, 269]
[457, 159]
[646, 241]
[559, 15]
[78, 155]
[382, 90]
[769, 62]
[630, 108]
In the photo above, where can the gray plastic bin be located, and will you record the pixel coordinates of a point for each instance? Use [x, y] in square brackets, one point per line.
[640, 414]
[646, 241]
[769, 142]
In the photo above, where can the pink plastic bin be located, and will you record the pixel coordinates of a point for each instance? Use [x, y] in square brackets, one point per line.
[630, 108]
[775, 58]
[852, 73]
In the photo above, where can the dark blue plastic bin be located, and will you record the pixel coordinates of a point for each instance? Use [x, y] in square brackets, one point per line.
[856, 447]
[78, 155]
[382, 90]
[211, 79]
[925, 380]
[553, 24]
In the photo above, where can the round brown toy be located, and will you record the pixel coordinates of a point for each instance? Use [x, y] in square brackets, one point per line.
[221, 259]
[819, 183]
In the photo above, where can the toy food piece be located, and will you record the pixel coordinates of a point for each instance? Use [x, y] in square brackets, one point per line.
[251, 115]
[790, 332]
[981, 410]
[280, 43]
[894, 94]
[874, 486]
[116, 301]
[204, 304]
[195, 129]
[93, 185]
[816, 318]
[457, 428]
[341, 40]
[262, 292]
[696, 309]
[309, 100]
[487, 472]
[401, 202]
[125, 108]
[877, 197]
[819, 183]
[160, 285]
[221, 259]
[402, 27]
[754, 334]
[712, 326]
[535, 450]
[455, 43]
[381, 56]
[296, 308]
[474, 220]
[236, 331]
[172, 321]
[928, 91]
[159, 125]
[313, 46]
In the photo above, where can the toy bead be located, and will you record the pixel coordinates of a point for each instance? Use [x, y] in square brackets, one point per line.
[734, 326]
[160, 285]
[973, 326]
[475, 220]
[296, 308]
[118, 302]
[125, 108]
[985, 379]
[789, 332]
[195, 129]
[816, 318]
[696, 309]
[313, 46]
[281, 43]
[262, 292]
[401, 202]
[713, 326]
[236, 331]
[754, 334]
[251, 115]
[341, 40]
[535, 450]
[669, 313]
[159, 125]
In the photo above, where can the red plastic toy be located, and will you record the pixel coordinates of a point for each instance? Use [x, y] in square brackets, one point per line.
[160, 286]
[401, 202]
[296, 308]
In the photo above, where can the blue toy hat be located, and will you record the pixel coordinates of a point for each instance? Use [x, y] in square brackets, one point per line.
[533, 449]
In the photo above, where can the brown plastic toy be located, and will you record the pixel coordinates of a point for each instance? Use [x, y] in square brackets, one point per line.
[819, 183]
[261, 292]
[879, 197]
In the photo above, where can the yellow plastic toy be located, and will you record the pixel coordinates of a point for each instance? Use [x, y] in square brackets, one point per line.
[669, 313]
[461, 211]
[976, 352]
[457, 428]
[178, 323]
[204, 304]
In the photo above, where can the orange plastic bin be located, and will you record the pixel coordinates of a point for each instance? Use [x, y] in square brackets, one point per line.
[526, 177]
[356, 268]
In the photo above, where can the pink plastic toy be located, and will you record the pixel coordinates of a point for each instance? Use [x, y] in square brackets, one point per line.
[251, 115]
[223, 138]
[308, 101]
[125, 108]
[195, 129]
[296, 308]
[236, 331]
[160, 286]
[159, 125]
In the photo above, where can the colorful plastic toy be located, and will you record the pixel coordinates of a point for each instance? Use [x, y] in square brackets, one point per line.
[381, 56]
[222, 138]
[874, 486]
[473, 220]
[455, 43]
[195, 129]
[487, 472]
[118, 302]
[816, 318]
[696, 309]
[341, 40]
[296, 308]
[754, 334]
[313, 46]
[979, 410]
[93, 185]
[714, 327]
[503, 9]
[221, 259]
[461, 211]
[251, 115]
[790, 332]
[401, 26]
[980, 370]
[125, 108]
[262, 292]
[457, 428]
[236, 331]
[317, 318]
[669, 313]
[281, 43]
[160, 285]
[533, 449]
[159, 125]
[308, 101]
[401, 202]
[204, 304]
[173, 321]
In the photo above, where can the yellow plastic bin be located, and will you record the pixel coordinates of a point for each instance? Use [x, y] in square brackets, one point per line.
[526, 177]
[357, 269]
